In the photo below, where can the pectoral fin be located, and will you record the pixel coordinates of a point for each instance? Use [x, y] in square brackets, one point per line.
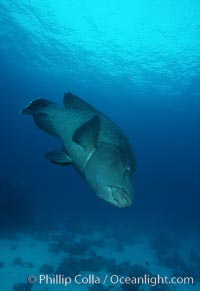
[58, 157]
[87, 134]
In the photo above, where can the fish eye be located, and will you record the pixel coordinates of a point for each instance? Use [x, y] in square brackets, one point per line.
[127, 170]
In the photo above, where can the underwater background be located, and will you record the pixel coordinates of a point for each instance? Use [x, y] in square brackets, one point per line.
[139, 63]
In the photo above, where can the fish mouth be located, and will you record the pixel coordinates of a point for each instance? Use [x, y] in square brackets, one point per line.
[121, 197]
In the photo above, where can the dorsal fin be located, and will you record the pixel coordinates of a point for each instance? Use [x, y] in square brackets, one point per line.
[73, 101]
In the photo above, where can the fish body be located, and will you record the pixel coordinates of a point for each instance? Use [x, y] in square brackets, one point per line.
[92, 143]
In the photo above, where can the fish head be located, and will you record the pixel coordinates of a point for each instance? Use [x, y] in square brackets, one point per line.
[111, 176]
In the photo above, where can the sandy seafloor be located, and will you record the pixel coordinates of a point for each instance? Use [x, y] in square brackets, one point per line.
[99, 253]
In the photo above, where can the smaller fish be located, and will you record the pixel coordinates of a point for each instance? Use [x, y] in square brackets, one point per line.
[147, 264]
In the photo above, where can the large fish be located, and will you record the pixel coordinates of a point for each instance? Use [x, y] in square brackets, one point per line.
[92, 143]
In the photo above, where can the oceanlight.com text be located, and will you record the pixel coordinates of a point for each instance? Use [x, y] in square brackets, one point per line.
[109, 279]
[151, 280]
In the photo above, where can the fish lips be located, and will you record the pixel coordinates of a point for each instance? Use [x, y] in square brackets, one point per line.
[120, 197]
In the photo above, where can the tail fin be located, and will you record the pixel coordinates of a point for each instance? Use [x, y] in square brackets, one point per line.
[43, 117]
[36, 106]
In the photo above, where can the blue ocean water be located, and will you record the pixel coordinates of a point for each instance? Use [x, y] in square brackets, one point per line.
[136, 61]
